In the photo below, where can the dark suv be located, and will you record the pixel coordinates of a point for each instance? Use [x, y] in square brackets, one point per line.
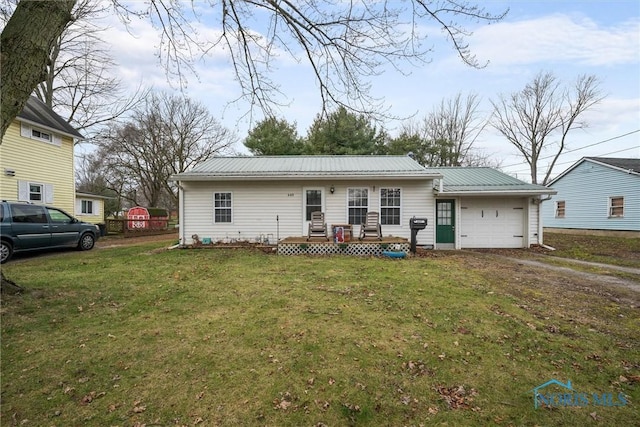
[26, 227]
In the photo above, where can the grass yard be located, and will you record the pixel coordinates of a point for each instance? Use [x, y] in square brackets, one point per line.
[134, 336]
[603, 249]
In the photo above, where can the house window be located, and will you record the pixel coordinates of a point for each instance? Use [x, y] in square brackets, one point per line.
[560, 206]
[390, 206]
[35, 192]
[26, 131]
[616, 207]
[87, 207]
[222, 207]
[358, 204]
[37, 134]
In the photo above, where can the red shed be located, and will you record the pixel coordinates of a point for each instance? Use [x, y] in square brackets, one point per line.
[140, 217]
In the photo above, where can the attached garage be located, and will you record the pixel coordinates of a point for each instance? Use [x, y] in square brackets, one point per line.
[480, 207]
[492, 223]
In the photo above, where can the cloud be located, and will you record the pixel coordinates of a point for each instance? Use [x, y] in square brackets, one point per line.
[558, 38]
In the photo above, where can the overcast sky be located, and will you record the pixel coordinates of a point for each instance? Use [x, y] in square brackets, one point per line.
[568, 38]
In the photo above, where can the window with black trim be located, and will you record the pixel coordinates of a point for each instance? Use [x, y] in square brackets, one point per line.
[358, 204]
[222, 208]
[390, 206]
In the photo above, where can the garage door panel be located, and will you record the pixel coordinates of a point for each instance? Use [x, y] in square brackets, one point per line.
[497, 223]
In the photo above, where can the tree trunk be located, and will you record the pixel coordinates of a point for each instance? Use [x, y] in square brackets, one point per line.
[9, 286]
[25, 44]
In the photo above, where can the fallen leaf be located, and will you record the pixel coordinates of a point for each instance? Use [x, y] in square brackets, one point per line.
[594, 416]
[332, 381]
[139, 409]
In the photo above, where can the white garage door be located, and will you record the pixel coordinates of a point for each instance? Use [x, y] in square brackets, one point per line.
[495, 223]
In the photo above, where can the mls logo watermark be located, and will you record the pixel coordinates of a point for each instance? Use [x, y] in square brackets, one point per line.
[572, 398]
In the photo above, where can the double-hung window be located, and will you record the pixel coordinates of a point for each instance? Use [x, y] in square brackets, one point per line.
[358, 204]
[616, 207]
[560, 208]
[222, 209]
[35, 192]
[390, 206]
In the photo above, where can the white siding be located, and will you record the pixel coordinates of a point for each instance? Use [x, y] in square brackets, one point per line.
[256, 205]
[586, 191]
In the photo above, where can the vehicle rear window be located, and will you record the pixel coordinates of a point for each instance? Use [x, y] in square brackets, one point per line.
[28, 214]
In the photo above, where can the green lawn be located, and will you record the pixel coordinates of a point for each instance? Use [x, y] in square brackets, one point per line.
[602, 249]
[132, 336]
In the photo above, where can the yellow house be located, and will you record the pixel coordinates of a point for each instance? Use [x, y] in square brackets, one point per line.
[90, 207]
[36, 158]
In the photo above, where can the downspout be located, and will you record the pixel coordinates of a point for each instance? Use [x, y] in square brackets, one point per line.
[181, 227]
[540, 227]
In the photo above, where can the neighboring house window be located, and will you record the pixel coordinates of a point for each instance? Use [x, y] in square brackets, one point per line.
[560, 206]
[37, 134]
[616, 206]
[390, 206]
[222, 207]
[35, 192]
[40, 135]
[87, 207]
[358, 204]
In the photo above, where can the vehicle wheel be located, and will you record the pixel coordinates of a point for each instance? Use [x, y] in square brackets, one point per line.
[6, 250]
[86, 242]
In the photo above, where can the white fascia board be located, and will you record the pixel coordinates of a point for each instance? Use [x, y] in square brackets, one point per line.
[302, 177]
[495, 193]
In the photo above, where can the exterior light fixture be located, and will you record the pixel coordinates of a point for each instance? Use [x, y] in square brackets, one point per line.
[332, 189]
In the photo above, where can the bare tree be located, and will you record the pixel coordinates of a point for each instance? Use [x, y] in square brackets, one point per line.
[446, 136]
[537, 120]
[344, 43]
[456, 123]
[79, 80]
[25, 44]
[165, 136]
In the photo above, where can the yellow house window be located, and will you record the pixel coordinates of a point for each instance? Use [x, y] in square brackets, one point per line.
[87, 207]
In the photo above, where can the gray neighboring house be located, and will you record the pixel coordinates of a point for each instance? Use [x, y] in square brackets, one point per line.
[596, 193]
[481, 207]
[248, 198]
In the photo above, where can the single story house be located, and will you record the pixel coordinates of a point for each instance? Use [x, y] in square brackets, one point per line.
[596, 193]
[246, 198]
[90, 207]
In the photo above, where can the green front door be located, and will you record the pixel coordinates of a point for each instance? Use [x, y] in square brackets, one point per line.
[445, 221]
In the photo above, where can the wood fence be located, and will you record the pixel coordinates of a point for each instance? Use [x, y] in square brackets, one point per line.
[139, 227]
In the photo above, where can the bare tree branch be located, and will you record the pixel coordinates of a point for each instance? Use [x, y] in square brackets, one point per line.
[540, 117]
